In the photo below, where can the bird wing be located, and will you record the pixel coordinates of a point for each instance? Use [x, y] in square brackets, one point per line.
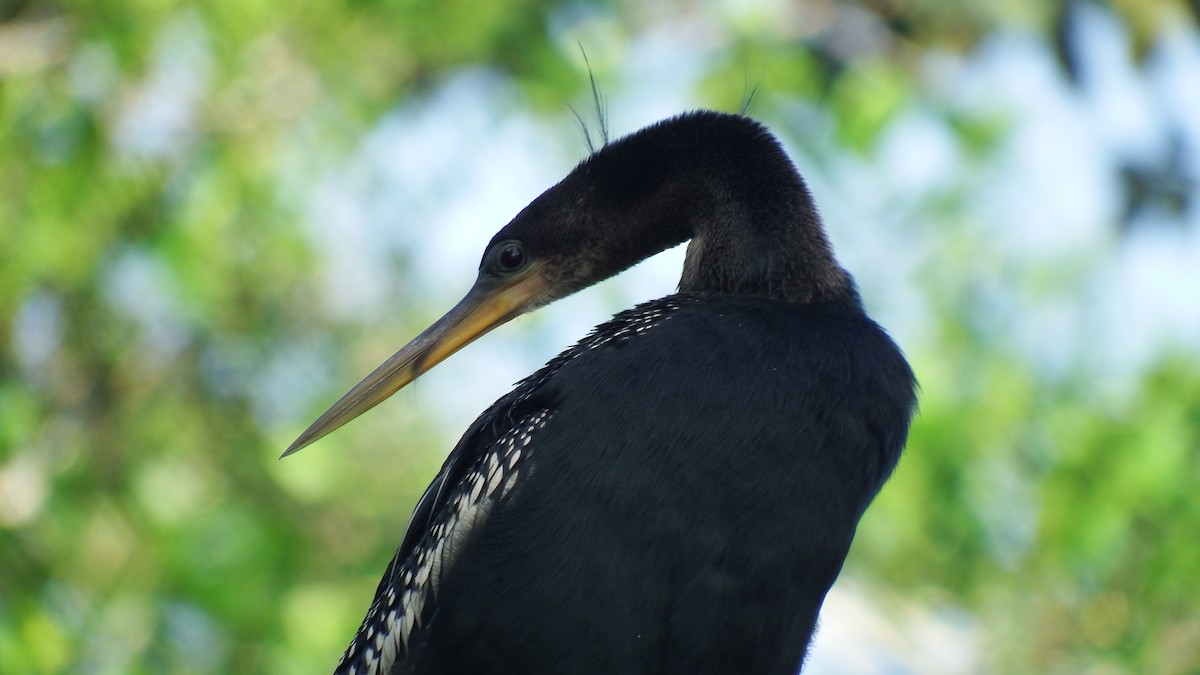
[482, 468]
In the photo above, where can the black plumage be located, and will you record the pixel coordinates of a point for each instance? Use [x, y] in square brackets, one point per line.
[678, 491]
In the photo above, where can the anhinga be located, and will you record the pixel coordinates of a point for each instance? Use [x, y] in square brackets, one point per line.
[677, 492]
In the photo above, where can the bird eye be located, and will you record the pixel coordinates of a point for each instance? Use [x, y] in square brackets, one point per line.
[510, 257]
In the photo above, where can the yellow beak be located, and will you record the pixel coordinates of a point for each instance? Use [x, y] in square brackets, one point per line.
[488, 304]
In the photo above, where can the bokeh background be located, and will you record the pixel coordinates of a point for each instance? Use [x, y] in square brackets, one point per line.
[216, 216]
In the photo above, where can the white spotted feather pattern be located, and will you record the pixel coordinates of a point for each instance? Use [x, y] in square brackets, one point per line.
[412, 581]
[397, 609]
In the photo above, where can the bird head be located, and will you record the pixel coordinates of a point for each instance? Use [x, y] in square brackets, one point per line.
[721, 180]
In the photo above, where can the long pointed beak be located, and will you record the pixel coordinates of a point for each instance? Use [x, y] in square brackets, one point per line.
[488, 304]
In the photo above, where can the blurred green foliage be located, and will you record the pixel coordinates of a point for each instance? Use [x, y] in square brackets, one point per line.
[153, 288]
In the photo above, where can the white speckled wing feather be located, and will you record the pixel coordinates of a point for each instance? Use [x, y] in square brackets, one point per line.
[410, 583]
[459, 504]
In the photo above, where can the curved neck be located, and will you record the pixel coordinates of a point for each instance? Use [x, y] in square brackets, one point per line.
[724, 183]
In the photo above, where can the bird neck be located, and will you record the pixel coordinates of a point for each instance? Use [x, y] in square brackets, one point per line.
[771, 245]
[725, 183]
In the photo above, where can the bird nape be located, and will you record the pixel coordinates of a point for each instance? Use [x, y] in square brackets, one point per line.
[677, 492]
